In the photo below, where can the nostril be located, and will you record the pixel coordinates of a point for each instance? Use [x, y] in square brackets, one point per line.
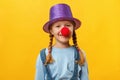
[60, 34]
[65, 31]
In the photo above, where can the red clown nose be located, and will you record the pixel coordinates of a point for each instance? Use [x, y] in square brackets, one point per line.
[65, 31]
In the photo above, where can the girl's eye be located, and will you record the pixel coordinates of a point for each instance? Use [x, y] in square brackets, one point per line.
[68, 25]
[57, 26]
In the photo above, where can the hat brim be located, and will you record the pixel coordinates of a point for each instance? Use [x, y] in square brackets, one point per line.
[47, 24]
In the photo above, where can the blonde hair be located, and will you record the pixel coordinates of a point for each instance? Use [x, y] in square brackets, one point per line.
[49, 58]
[82, 58]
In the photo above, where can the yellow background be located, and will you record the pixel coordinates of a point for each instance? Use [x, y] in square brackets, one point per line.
[22, 37]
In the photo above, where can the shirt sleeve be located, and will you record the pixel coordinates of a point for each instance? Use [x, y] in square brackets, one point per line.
[39, 75]
[84, 72]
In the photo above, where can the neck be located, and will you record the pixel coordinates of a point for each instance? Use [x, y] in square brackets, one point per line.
[62, 45]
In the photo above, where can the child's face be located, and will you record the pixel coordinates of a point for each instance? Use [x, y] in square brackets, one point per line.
[56, 30]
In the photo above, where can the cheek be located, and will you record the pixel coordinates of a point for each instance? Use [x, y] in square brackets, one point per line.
[55, 31]
[71, 33]
[71, 30]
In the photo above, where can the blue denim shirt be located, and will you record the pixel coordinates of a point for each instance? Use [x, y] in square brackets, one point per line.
[63, 67]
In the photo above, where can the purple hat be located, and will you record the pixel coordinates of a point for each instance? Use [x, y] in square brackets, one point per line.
[60, 12]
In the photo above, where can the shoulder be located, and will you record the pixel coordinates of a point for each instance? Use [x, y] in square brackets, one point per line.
[40, 56]
[41, 52]
[44, 50]
[84, 53]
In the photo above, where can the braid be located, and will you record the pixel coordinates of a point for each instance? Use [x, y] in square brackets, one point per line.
[49, 58]
[82, 59]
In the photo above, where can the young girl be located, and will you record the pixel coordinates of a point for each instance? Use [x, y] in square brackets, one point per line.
[61, 61]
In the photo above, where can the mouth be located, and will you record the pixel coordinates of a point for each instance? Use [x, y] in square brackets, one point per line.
[61, 36]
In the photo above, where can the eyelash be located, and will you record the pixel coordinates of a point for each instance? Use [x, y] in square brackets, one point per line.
[57, 26]
[67, 25]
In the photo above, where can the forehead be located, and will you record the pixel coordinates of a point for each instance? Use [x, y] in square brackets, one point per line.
[62, 22]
